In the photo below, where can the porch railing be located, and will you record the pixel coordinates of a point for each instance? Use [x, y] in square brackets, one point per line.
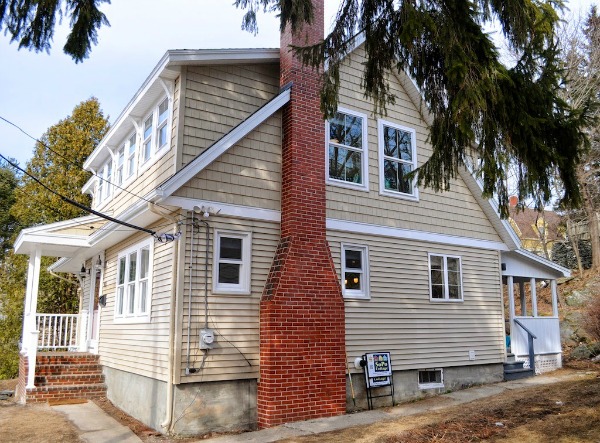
[530, 337]
[57, 331]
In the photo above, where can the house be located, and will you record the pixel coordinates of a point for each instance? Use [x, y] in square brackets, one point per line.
[266, 250]
[537, 231]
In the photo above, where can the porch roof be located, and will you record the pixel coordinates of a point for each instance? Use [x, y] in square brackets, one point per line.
[525, 265]
[81, 238]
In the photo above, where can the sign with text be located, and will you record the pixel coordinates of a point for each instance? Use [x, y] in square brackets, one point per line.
[379, 364]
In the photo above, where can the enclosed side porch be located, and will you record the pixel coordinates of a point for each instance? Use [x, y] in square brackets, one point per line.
[533, 335]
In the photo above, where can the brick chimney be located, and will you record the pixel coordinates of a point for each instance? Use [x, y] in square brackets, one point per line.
[513, 200]
[302, 321]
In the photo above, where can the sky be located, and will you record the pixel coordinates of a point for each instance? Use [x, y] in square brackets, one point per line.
[37, 90]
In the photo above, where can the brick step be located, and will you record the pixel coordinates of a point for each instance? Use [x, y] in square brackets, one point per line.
[56, 369]
[76, 379]
[52, 393]
[66, 358]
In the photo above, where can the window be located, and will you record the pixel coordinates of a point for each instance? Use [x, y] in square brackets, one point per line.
[445, 278]
[147, 141]
[355, 271]
[134, 281]
[120, 164]
[161, 130]
[431, 378]
[231, 270]
[397, 158]
[131, 148]
[105, 181]
[346, 149]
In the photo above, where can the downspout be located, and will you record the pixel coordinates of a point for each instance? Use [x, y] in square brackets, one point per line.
[166, 424]
[169, 414]
[189, 322]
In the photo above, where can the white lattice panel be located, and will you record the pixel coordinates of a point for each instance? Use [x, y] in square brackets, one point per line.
[543, 363]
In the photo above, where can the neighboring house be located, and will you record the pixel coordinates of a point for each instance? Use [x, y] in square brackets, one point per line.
[294, 247]
[538, 231]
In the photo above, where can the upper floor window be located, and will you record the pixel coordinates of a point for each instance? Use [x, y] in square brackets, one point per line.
[105, 183]
[130, 146]
[120, 165]
[445, 278]
[155, 131]
[397, 158]
[147, 140]
[161, 130]
[347, 163]
[355, 271]
[231, 268]
[134, 282]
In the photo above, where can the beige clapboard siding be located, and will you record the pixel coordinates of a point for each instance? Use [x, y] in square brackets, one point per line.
[141, 348]
[248, 174]
[149, 178]
[217, 98]
[235, 317]
[454, 212]
[400, 318]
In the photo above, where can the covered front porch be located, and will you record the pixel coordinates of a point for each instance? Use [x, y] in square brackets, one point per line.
[533, 336]
[57, 341]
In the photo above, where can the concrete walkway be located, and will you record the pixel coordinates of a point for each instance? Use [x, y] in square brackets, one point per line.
[317, 426]
[95, 425]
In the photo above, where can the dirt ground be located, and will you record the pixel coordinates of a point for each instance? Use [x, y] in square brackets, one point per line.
[565, 412]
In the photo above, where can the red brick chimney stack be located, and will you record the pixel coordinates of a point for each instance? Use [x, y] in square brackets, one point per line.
[302, 322]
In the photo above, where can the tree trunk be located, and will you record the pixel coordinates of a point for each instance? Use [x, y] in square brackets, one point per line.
[592, 216]
[574, 244]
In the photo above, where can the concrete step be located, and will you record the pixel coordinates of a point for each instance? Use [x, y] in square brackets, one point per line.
[517, 374]
[513, 365]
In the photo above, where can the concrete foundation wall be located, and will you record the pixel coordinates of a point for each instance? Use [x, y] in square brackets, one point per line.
[221, 406]
[406, 385]
[141, 397]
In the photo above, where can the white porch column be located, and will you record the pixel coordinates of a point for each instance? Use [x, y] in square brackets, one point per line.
[523, 300]
[554, 288]
[533, 297]
[511, 299]
[30, 332]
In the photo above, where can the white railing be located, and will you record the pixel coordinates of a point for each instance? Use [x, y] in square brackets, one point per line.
[546, 330]
[57, 331]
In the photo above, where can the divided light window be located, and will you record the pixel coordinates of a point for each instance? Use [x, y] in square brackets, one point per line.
[431, 378]
[163, 113]
[231, 270]
[397, 158]
[147, 141]
[355, 271]
[104, 190]
[445, 278]
[346, 149]
[134, 277]
[130, 146]
[120, 165]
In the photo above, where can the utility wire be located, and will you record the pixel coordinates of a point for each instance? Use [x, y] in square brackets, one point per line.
[45, 145]
[77, 204]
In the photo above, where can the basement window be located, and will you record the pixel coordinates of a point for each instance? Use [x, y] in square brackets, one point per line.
[431, 378]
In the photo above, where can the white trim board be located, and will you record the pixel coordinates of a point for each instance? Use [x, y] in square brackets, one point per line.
[409, 234]
[269, 215]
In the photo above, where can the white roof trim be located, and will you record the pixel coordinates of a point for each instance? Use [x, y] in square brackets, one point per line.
[543, 261]
[221, 146]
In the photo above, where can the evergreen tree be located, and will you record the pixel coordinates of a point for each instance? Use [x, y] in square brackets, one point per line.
[484, 113]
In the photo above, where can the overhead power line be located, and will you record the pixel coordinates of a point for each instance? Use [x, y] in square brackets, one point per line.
[45, 145]
[79, 205]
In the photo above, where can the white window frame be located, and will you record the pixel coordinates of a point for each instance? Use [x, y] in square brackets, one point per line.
[364, 292]
[130, 166]
[243, 288]
[104, 189]
[414, 196]
[431, 385]
[155, 151]
[446, 298]
[120, 166]
[364, 186]
[122, 292]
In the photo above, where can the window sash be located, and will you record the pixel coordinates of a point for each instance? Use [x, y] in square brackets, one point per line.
[355, 273]
[232, 262]
[397, 158]
[131, 148]
[445, 278]
[134, 273]
[346, 156]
